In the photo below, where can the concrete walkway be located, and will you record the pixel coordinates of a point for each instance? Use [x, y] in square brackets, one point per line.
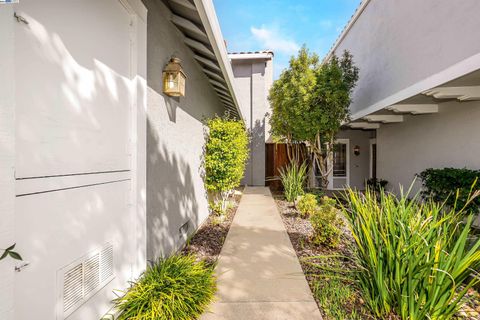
[259, 276]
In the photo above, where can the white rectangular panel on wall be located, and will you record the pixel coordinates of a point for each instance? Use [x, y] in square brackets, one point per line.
[73, 91]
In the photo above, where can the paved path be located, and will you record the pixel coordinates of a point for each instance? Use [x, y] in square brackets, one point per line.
[259, 276]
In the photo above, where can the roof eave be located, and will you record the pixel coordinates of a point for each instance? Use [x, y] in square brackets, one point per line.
[209, 19]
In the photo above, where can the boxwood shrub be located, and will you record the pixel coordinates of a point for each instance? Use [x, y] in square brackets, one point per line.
[443, 184]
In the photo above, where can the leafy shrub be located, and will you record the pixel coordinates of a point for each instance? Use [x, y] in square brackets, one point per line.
[319, 193]
[226, 154]
[413, 257]
[376, 184]
[293, 178]
[450, 185]
[178, 287]
[326, 223]
[307, 205]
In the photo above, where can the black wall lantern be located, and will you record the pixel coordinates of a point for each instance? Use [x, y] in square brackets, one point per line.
[356, 150]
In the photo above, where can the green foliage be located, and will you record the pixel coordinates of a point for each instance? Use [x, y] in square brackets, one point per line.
[450, 185]
[326, 223]
[319, 193]
[226, 154]
[176, 288]
[376, 184]
[293, 179]
[9, 252]
[307, 205]
[336, 299]
[216, 208]
[413, 258]
[310, 101]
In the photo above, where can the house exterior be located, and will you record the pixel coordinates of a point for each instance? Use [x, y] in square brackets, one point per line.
[100, 171]
[253, 74]
[417, 102]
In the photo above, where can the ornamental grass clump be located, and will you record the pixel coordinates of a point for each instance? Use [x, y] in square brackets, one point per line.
[175, 288]
[414, 258]
[293, 177]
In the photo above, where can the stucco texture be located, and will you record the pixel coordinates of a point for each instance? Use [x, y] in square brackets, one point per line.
[175, 138]
[449, 138]
[399, 43]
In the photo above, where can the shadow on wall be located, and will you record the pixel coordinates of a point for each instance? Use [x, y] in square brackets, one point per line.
[255, 168]
[172, 208]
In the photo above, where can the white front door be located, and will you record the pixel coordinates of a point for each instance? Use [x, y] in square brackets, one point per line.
[339, 177]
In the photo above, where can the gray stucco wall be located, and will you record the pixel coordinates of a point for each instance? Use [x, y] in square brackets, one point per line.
[175, 138]
[398, 43]
[359, 165]
[449, 138]
[252, 81]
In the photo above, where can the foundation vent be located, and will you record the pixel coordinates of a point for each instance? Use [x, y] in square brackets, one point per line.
[83, 278]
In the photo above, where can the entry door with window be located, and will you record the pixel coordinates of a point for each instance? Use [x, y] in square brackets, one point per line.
[339, 177]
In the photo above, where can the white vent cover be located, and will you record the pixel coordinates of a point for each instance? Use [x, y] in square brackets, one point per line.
[83, 278]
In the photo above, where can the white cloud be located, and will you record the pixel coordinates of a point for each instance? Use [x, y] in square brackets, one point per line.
[326, 24]
[272, 39]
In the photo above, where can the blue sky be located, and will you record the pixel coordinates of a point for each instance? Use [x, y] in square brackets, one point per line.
[283, 25]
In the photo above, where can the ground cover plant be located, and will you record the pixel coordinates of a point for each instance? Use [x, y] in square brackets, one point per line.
[176, 288]
[226, 154]
[413, 258]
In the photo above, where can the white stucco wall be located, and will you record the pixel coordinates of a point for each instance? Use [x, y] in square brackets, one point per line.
[253, 79]
[449, 138]
[399, 43]
[7, 159]
[175, 139]
[72, 146]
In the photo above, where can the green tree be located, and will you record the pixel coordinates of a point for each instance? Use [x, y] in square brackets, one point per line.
[310, 101]
[226, 154]
[336, 79]
[289, 96]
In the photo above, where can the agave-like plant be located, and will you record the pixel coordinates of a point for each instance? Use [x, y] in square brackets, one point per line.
[414, 257]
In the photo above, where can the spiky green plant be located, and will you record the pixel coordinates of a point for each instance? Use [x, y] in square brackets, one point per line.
[293, 177]
[414, 258]
[175, 288]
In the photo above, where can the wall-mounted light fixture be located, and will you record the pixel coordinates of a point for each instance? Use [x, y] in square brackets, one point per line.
[356, 150]
[174, 79]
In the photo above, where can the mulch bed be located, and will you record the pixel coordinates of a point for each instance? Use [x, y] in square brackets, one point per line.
[208, 241]
[300, 232]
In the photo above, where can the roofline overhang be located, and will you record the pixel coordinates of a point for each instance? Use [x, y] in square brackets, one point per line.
[209, 20]
[268, 55]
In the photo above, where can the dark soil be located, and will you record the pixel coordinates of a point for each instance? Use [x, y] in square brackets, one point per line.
[208, 241]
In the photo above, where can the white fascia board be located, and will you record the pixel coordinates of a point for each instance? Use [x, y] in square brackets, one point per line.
[251, 56]
[387, 118]
[414, 108]
[209, 19]
[364, 125]
[451, 73]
